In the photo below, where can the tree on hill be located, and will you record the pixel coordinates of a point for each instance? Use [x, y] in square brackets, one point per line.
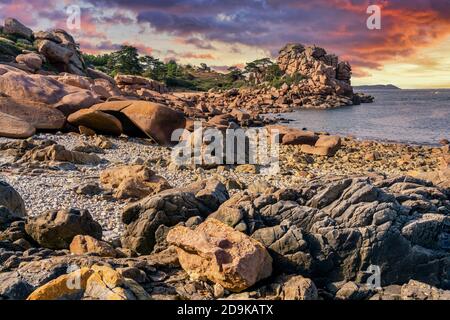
[153, 68]
[257, 70]
[125, 61]
[235, 74]
[204, 67]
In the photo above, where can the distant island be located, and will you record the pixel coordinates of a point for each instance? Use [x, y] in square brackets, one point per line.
[377, 86]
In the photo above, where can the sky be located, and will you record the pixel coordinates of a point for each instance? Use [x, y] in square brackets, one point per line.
[411, 50]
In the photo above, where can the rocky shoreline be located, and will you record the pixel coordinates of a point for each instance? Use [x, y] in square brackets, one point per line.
[93, 206]
[305, 180]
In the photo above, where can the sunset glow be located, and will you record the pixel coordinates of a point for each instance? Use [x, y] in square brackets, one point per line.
[411, 49]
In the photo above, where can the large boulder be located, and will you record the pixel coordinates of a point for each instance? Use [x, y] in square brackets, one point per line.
[56, 229]
[36, 114]
[216, 252]
[31, 60]
[135, 181]
[13, 127]
[155, 120]
[168, 208]
[44, 89]
[54, 52]
[12, 200]
[99, 121]
[14, 27]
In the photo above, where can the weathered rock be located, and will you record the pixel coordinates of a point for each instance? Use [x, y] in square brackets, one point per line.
[44, 89]
[54, 52]
[216, 252]
[31, 60]
[299, 288]
[56, 229]
[168, 208]
[14, 27]
[82, 244]
[346, 225]
[12, 200]
[108, 284]
[66, 287]
[292, 136]
[99, 121]
[156, 120]
[325, 146]
[352, 291]
[413, 290]
[13, 127]
[13, 287]
[36, 114]
[57, 152]
[136, 181]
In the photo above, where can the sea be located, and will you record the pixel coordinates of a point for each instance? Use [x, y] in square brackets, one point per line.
[419, 117]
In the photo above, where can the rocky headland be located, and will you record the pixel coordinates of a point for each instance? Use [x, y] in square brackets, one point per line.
[90, 194]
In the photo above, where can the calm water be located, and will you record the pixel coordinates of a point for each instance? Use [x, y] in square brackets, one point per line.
[408, 116]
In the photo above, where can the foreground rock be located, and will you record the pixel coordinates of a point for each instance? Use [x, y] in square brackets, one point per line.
[216, 252]
[168, 208]
[413, 290]
[56, 229]
[96, 283]
[333, 230]
[155, 120]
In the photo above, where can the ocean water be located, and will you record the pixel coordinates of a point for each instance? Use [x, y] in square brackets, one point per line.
[406, 116]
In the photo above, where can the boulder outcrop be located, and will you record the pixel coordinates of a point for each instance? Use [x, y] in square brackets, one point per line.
[217, 252]
[56, 229]
[142, 219]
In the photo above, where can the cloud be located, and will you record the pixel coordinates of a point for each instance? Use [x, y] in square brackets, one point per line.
[337, 25]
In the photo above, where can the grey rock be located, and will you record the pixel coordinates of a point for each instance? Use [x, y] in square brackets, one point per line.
[56, 229]
[168, 208]
[12, 200]
[14, 27]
